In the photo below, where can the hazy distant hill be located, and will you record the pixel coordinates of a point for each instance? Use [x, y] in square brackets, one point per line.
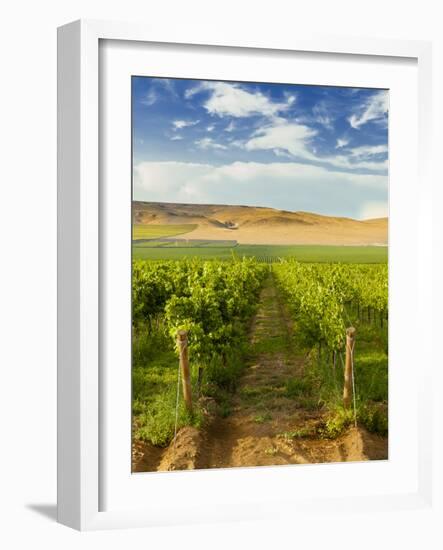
[261, 225]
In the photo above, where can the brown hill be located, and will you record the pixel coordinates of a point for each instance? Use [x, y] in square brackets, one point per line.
[262, 225]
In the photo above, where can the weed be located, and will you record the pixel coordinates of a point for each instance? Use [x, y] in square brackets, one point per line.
[337, 423]
[156, 424]
[224, 409]
[298, 387]
[374, 416]
[308, 431]
[272, 451]
[261, 418]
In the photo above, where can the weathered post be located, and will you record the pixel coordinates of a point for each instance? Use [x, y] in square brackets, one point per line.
[182, 344]
[347, 390]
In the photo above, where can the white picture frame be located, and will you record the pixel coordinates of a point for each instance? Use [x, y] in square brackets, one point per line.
[80, 411]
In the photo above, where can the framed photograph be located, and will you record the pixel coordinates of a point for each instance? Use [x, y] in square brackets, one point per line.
[242, 227]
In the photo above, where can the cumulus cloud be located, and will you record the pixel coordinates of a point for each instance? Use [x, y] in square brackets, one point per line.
[292, 138]
[295, 140]
[288, 137]
[285, 185]
[374, 109]
[226, 99]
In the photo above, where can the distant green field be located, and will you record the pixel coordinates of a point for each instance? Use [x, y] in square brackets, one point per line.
[303, 253]
[184, 243]
[158, 231]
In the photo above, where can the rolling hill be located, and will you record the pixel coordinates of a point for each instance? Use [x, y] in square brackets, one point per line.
[261, 225]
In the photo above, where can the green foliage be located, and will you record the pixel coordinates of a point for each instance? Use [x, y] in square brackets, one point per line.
[318, 294]
[213, 302]
[324, 299]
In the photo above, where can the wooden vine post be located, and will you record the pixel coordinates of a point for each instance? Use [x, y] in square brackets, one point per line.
[182, 344]
[347, 390]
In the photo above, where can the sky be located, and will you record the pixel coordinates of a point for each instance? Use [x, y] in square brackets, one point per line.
[293, 147]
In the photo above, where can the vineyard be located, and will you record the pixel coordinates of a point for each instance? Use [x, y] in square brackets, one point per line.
[266, 352]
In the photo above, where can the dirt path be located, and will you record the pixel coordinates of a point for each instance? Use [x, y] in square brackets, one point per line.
[265, 420]
[260, 430]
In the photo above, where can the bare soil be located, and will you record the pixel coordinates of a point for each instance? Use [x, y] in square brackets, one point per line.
[260, 429]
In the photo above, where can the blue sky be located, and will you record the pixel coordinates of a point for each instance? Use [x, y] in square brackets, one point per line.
[294, 147]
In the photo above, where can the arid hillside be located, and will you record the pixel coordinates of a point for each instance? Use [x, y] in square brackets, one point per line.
[260, 225]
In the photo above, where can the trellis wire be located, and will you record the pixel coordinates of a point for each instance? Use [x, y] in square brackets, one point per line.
[354, 402]
[353, 384]
[176, 405]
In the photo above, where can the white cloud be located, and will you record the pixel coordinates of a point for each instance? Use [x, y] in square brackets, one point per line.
[322, 116]
[168, 181]
[190, 92]
[209, 143]
[210, 128]
[179, 124]
[342, 161]
[341, 142]
[374, 209]
[295, 140]
[159, 87]
[151, 98]
[375, 109]
[289, 137]
[285, 185]
[230, 127]
[227, 99]
[290, 98]
[176, 138]
[281, 153]
[367, 151]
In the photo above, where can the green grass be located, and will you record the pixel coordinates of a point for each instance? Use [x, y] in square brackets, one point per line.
[154, 380]
[140, 231]
[303, 253]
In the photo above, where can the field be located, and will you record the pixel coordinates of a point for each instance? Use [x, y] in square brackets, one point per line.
[175, 242]
[140, 231]
[303, 253]
[267, 353]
